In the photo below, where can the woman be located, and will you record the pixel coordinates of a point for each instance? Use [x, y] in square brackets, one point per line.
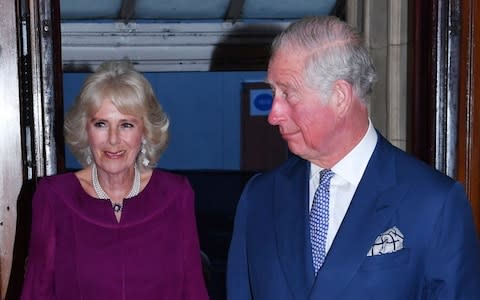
[117, 229]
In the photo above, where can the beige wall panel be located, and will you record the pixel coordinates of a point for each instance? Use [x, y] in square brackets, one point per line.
[10, 142]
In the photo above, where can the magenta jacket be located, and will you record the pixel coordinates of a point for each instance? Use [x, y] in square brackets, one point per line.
[78, 250]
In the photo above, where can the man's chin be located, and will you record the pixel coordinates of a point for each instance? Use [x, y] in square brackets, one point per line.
[294, 148]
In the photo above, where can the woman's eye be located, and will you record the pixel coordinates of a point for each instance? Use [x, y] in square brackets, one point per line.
[127, 125]
[99, 124]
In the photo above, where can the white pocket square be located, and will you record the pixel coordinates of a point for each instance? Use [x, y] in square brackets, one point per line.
[388, 242]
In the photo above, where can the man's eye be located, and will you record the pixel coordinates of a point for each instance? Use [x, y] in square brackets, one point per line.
[282, 93]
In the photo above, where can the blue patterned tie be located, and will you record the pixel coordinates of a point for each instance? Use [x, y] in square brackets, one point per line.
[319, 219]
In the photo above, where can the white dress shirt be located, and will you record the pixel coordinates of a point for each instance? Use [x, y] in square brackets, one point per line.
[348, 173]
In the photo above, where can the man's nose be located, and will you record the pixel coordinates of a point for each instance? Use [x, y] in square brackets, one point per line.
[276, 112]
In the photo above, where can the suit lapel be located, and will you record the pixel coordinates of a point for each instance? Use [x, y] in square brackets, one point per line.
[370, 211]
[290, 207]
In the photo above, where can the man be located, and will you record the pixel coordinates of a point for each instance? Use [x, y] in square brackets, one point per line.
[380, 225]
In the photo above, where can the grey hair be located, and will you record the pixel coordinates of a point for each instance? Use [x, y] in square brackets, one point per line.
[131, 93]
[335, 51]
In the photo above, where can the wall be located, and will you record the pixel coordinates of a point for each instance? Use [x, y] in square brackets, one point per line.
[10, 151]
[204, 111]
[383, 25]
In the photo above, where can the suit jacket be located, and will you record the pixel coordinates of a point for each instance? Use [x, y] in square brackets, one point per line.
[270, 253]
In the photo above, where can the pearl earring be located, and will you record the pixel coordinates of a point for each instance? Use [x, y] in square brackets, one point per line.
[88, 158]
[145, 160]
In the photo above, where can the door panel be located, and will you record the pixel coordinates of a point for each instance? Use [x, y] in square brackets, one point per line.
[10, 138]
[262, 146]
[468, 158]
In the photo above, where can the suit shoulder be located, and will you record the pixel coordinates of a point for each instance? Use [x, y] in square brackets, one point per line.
[425, 181]
[413, 169]
[410, 170]
[285, 166]
[291, 167]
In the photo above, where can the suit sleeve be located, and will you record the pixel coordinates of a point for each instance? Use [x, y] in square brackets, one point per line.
[453, 260]
[39, 283]
[238, 281]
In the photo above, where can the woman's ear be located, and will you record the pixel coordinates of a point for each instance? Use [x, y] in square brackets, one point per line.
[342, 97]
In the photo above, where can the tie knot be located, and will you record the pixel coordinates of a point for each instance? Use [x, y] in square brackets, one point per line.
[325, 176]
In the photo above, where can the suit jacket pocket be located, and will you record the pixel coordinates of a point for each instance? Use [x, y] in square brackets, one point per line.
[386, 261]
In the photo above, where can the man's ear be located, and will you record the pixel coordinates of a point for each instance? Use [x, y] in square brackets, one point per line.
[342, 97]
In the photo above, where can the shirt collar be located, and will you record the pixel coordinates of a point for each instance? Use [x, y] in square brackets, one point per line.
[352, 166]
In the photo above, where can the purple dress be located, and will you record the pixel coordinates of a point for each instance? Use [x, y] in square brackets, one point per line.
[78, 250]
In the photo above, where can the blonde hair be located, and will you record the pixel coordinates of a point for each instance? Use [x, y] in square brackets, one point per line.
[131, 93]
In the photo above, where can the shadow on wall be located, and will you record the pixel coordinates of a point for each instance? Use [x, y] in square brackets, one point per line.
[245, 48]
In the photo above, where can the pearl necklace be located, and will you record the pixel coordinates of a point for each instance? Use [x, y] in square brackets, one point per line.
[117, 207]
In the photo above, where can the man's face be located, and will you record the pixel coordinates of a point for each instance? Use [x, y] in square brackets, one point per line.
[306, 122]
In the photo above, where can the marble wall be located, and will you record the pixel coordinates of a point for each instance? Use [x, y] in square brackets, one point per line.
[384, 27]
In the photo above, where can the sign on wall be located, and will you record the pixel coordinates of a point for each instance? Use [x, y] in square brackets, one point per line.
[260, 102]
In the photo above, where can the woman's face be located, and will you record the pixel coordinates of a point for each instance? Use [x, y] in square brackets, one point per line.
[114, 138]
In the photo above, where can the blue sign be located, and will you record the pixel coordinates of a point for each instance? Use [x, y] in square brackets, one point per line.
[260, 102]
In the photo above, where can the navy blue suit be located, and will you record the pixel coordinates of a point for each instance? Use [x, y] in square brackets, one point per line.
[270, 253]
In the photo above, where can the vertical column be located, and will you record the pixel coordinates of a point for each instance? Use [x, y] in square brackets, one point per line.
[468, 156]
[397, 72]
[11, 176]
[375, 25]
[384, 27]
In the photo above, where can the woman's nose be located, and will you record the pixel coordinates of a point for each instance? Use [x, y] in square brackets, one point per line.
[113, 136]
